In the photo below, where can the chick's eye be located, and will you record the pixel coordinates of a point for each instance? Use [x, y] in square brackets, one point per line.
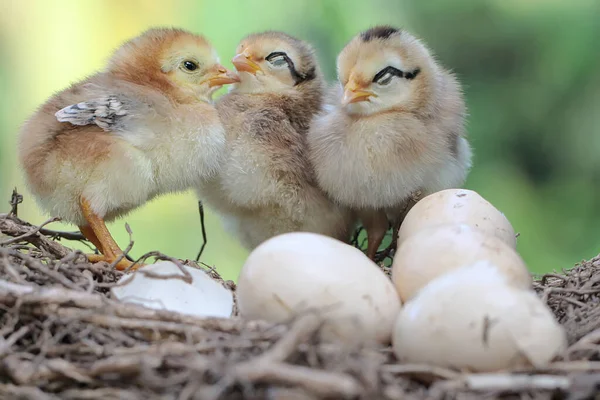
[385, 76]
[277, 59]
[278, 62]
[385, 79]
[190, 65]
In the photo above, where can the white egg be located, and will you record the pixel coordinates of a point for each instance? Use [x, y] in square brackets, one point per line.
[434, 251]
[203, 297]
[470, 319]
[453, 206]
[294, 272]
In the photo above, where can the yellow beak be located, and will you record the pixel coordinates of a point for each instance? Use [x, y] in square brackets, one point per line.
[222, 76]
[352, 94]
[243, 64]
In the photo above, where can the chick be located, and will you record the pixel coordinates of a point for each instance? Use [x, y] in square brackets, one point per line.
[398, 128]
[115, 140]
[267, 186]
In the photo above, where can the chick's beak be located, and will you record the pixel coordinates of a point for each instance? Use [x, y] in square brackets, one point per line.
[223, 77]
[244, 64]
[354, 94]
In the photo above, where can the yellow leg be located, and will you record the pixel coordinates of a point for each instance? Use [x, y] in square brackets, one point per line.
[91, 236]
[97, 233]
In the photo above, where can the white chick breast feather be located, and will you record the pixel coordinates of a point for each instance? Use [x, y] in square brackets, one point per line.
[382, 169]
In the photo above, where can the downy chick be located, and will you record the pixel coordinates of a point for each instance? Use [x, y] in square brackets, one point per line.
[397, 129]
[267, 186]
[115, 140]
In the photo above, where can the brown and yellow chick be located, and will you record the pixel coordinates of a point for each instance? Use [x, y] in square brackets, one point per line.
[398, 128]
[142, 127]
[267, 186]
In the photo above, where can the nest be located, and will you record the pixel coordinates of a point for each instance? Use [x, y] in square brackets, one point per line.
[63, 337]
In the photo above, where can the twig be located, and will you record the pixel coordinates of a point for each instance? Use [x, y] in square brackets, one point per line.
[12, 226]
[11, 293]
[38, 266]
[270, 366]
[592, 338]
[75, 236]
[32, 232]
[323, 383]
[575, 291]
[187, 277]
[564, 367]
[5, 344]
[544, 278]
[24, 392]
[301, 330]
[15, 200]
[417, 369]
[204, 237]
[127, 249]
[515, 383]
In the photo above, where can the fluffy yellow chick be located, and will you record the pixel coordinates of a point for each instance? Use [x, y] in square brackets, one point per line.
[267, 186]
[115, 140]
[397, 128]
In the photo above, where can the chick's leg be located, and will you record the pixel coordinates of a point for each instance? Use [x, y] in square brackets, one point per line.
[397, 216]
[97, 233]
[376, 225]
[91, 236]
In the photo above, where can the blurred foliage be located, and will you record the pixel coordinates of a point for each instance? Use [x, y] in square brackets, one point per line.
[529, 69]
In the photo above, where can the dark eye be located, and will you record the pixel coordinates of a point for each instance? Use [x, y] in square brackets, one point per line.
[277, 59]
[385, 76]
[385, 79]
[190, 65]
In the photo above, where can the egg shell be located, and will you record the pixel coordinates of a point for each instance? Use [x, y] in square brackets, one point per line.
[469, 319]
[434, 251]
[294, 272]
[203, 297]
[452, 206]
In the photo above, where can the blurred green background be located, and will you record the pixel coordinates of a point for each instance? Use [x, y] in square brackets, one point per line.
[530, 69]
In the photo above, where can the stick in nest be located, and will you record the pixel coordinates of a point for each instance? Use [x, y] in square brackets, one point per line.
[15, 200]
[32, 232]
[271, 366]
[507, 383]
[187, 277]
[204, 238]
[12, 226]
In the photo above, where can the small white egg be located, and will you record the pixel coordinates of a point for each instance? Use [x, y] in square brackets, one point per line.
[469, 319]
[294, 272]
[453, 206]
[437, 250]
[203, 297]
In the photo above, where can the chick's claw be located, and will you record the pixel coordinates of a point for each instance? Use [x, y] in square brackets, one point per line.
[122, 265]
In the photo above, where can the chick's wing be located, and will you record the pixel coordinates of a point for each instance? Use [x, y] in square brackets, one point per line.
[109, 112]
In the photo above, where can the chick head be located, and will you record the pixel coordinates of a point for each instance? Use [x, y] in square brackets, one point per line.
[274, 62]
[384, 68]
[182, 65]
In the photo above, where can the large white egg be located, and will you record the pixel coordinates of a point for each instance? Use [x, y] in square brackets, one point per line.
[437, 250]
[294, 272]
[469, 319]
[203, 297]
[453, 206]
